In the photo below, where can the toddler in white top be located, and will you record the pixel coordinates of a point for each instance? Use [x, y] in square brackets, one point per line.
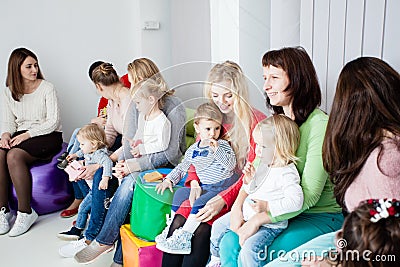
[271, 177]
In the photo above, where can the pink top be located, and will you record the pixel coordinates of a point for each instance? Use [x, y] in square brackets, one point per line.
[376, 180]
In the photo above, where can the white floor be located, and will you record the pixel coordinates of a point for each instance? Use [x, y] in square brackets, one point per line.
[39, 246]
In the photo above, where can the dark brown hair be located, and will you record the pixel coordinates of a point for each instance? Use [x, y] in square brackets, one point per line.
[369, 240]
[365, 109]
[14, 79]
[303, 87]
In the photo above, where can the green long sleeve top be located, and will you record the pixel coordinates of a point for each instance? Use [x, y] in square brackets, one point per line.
[317, 187]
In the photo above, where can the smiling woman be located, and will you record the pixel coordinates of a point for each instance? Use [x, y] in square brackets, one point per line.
[31, 132]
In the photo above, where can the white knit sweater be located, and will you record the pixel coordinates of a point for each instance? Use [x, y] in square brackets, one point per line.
[37, 112]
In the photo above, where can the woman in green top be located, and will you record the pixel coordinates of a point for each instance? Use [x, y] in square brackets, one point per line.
[292, 88]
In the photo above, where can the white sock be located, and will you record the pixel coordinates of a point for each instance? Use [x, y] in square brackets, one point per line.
[191, 224]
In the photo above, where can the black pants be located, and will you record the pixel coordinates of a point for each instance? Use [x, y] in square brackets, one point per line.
[200, 246]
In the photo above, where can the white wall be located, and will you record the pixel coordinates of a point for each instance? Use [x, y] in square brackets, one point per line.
[336, 32]
[67, 36]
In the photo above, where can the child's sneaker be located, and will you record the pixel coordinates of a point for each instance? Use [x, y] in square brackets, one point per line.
[23, 222]
[179, 243]
[69, 250]
[214, 262]
[163, 236]
[63, 164]
[71, 235]
[62, 156]
[4, 221]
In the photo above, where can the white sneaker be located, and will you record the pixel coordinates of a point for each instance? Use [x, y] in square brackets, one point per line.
[69, 250]
[163, 236]
[214, 262]
[4, 221]
[23, 222]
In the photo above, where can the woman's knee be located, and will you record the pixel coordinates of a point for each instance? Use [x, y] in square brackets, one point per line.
[16, 157]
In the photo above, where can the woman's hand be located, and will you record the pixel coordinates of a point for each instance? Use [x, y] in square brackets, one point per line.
[236, 220]
[260, 206]
[5, 140]
[135, 152]
[89, 171]
[123, 168]
[195, 192]
[166, 183]
[248, 229]
[212, 208]
[100, 121]
[16, 140]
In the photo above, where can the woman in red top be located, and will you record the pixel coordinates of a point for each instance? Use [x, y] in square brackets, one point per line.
[227, 88]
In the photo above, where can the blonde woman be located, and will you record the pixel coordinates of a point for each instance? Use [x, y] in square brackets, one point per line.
[226, 87]
[128, 166]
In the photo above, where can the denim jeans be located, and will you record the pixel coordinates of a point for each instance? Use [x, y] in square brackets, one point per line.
[84, 210]
[218, 229]
[98, 211]
[81, 189]
[253, 252]
[118, 211]
[73, 144]
[208, 191]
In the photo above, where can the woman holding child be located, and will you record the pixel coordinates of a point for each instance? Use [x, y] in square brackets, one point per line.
[226, 88]
[292, 88]
[128, 167]
[109, 86]
[361, 158]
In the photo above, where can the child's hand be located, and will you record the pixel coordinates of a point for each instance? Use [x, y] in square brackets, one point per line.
[248, 229]
[260, 206]
[249, 172]
[213, 144]
[166, 183]
[195, 192]
[71, 157]
[104, 183]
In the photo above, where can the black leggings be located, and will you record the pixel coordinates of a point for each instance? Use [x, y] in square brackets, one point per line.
[200, 246]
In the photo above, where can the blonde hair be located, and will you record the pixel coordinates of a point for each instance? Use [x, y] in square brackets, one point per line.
[151, 87]
[286, 134]
[209, 112]
[105, 74]
[239, 134]
[143, 68]
[95, 134]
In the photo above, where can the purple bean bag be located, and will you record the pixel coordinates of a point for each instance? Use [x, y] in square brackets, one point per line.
[51, 189]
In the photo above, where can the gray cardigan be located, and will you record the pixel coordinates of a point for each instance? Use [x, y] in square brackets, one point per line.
[176, 114]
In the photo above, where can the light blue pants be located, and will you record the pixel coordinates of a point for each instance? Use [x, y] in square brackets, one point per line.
[301, 229]
[318, 246]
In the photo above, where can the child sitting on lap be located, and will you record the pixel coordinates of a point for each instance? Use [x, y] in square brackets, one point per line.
[154, 129]
[214, 160]
[271, 177]
[93, 148]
